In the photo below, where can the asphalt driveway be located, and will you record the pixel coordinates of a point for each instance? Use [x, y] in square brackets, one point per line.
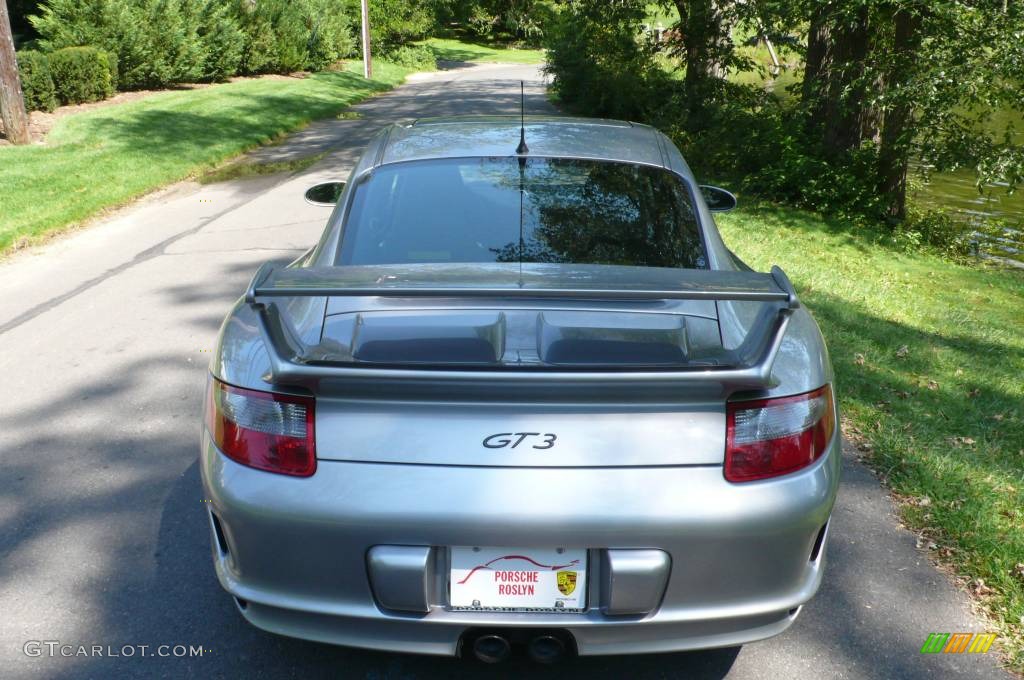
[104, 341]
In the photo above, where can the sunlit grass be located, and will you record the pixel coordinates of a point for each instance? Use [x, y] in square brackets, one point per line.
[106, 157]
[929, 357]
[447, 49]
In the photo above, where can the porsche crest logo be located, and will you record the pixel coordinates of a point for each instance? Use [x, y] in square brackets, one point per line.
[566, 582]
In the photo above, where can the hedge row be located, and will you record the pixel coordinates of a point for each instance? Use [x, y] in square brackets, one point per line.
[161, 42]
[71, 75]
[36, 81]
[156, 43]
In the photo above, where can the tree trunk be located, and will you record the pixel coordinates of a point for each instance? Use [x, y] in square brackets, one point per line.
[705, 31]
[12, 104]
[815, 77]
[834, 91]
[897, 129]
[707, 40]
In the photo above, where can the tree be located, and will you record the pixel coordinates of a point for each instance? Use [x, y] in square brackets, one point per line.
[913, 79]
[835, 93]
[887, 85]
[12, 103]
[898, 128]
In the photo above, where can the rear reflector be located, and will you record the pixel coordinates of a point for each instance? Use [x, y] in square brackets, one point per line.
[264, 430]
[771, 437]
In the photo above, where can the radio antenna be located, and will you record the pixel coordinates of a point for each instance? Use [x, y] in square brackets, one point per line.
[522, 148]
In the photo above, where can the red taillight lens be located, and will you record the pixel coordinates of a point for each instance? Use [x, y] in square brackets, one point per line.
[771, 437]
[264, 430]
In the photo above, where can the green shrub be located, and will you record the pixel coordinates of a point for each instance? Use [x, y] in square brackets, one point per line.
[36, 81]
[156, 42]
[395, 22]
[282, 36]
[81, 74]
[331, 29]
[418, 57]
[520, 21]
[112, 66]
[258, 38]
[600, 62]
[942, 231]
[160, 42]
[222, 41]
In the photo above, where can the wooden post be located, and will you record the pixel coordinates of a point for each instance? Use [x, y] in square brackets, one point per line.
[12, 105]
[367, 66]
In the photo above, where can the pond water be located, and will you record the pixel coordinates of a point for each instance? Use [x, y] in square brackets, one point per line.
[959, 191]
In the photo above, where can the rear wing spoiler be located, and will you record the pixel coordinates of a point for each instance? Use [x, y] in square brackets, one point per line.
[748, 366]
[691, 285]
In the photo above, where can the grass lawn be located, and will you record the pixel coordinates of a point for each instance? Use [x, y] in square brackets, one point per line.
[456, 50]
[109, 156]
[929, 358]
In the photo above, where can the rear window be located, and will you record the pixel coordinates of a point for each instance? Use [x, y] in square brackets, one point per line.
[537, 210]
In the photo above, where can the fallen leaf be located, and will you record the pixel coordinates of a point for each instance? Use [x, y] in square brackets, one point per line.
[958, 371]
[980, 589]
[924, 501]
[932, 385]
[902, 352]
[858, 359]
[973, 393]
[903, 394]
[998, 416]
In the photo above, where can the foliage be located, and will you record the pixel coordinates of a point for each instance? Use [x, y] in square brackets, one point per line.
[395, 22]
[331, 30]
[283, 36]
[81, 74]
[919, 80]
[602, 62]
[520, 21]
[160, 42]
[886, 83]
[222, 41]
[36, 81]
[418, 57]
[155, 41]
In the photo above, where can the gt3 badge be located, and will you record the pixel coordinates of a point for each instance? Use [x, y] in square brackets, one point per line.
[566, 582]
[514, 439]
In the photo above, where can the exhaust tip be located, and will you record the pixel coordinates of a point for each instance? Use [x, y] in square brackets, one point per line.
[491, 648]
[546, 649]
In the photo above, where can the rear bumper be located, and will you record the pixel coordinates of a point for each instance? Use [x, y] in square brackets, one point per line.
[295, 550]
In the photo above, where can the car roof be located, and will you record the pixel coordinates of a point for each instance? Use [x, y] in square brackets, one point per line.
[551, 136]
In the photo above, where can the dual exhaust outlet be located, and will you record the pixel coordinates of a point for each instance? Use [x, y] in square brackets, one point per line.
[545, 648]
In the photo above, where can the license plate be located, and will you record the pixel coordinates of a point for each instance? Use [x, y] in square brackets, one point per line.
[519, 579]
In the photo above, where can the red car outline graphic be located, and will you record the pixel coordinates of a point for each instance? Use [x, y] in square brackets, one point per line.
[487, 565]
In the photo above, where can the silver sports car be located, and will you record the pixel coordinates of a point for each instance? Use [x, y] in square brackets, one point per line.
[520, 394]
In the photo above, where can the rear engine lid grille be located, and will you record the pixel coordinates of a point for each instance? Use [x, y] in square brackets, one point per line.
[527, 338]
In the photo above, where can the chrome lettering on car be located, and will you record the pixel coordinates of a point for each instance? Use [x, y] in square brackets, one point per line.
[511, 440]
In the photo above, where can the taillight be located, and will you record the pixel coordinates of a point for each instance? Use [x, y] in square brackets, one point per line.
[771, 437]
[264, 430]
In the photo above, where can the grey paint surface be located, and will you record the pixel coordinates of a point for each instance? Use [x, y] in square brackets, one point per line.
[104, 339]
